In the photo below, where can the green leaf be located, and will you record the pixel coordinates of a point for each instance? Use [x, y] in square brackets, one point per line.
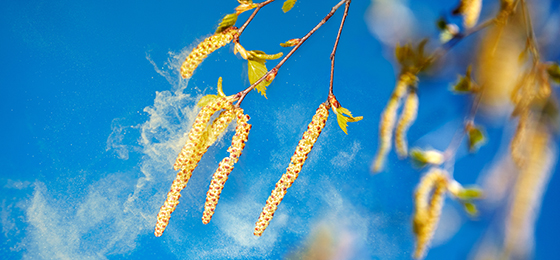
[290, 43]
[476, 138]
[418, 158]
[441, 23]
[554, 72]
[261, 55]
[288, 4]
[471, 209]
[343, 120]
[464, 84]
[471, 193]
[228, 21]
[205, 100]
[257, 69]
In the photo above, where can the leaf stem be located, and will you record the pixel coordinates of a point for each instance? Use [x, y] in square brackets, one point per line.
[336, 45]
[244, 93]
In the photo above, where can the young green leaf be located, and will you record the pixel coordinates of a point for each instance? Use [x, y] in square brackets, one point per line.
[205, 100]
[228, 21]
[288, 4]
[420, 157]
[263, 56]
[290, 43]
[344, 120]
[257, 69]
[554, 72]
[471, 193]
[476, 138]
[464, 85]
[470, 208]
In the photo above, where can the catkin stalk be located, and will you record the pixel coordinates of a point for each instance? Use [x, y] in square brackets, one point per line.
[226, 165]
[428, 209]
[202, 50]
[408, 115]
[296, 163]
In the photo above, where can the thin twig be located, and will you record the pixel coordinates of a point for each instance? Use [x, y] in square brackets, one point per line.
[336, 45]
[244, 93]
[242, 28]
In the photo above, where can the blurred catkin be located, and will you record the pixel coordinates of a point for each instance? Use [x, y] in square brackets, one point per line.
[428, 200]
[408, 115]
[388, 119]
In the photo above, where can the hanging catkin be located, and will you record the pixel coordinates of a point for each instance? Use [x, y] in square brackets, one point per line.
[296, 163]
[226, 165]
[209, 45]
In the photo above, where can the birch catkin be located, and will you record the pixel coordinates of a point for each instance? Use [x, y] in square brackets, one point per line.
[226, 165]
[428, 210]
[201, 51]
[408, 115]
[192, 152]
[470, 10]
[296, 163]
[527, 194]
[199, 127]
[388, 118]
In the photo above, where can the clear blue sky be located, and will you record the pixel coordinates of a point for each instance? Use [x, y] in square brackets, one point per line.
[93, 107]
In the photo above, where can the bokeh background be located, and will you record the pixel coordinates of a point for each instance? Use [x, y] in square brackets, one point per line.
[94, 113]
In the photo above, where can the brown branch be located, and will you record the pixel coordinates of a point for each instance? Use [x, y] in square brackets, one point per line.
[336, 45]
[244, 93]
[261, 5]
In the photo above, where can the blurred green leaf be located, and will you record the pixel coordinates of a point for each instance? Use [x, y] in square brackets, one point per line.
[288, 5]
[554, 72]
[471, 209]
[476, 138]
[464, 85]
[228, 21]
[441, 23]
[418, 158]
[471, 193]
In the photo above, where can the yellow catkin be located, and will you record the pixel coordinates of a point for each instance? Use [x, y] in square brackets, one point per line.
[408, 115]
[526, 197]
[296, 163]
[388, 118]
[209, 45]
[174, 193]
[192, 152]
[226, 165]
[428, 209]
[199, 128]
[518, 142]
[470, 9]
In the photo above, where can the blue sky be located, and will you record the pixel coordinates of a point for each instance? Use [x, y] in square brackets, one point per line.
[94, 114]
